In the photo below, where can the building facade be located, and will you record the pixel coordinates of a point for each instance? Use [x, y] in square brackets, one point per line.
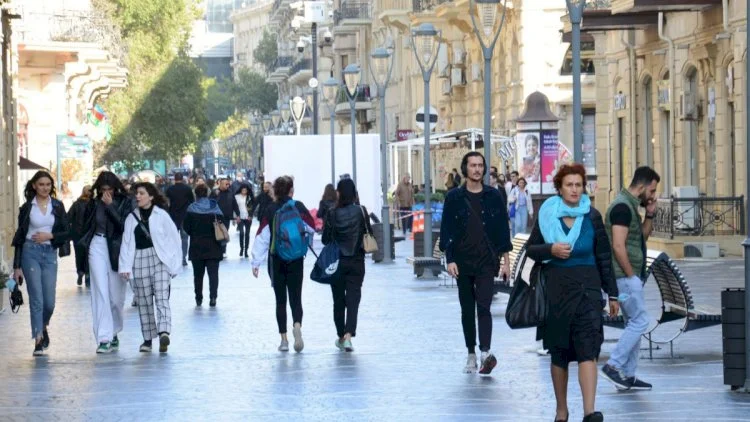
[249, 23]
[8, 132]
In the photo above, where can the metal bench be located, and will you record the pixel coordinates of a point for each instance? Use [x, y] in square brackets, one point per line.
[519, 249]
[677, 303]
[435, 263]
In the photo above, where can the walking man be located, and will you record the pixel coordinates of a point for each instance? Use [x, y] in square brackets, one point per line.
[628, 234]
[405, 200]
[473, 235]
[180, 197]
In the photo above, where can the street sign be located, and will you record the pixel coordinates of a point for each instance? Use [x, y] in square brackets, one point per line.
[433, 118]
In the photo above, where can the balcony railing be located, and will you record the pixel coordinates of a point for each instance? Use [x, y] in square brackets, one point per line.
[702, 216]
[599, 4]
[300, 65]
[283, 61]
[353, 9]
[363, 94]
[427, 5]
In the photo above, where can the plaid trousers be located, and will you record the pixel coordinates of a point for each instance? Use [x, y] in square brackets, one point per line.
[151, 282]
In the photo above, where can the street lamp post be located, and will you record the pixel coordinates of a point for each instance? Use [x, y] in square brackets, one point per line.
[286, 113]
[256, 132]
[330, 91]
[425, 41]
[298, 107]
[487, 12]
[575, 12]
[746, 243]
[215, 150]
[352, 75]
[276, 120]
[381, 66]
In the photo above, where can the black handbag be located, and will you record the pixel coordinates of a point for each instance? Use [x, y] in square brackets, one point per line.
[527, 306]
[64, 250]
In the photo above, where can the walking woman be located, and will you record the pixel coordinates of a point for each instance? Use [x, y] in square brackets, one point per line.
[105, 219]
[205, 251]
[246, 202]
[76, 218]
[264, 200]
[346, 225]
[150, 257]
[570, 237]
[327, 202]
[281, 232]
[42, 229]
[520, 196]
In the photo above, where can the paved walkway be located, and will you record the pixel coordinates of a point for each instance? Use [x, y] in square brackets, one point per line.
[223, 363]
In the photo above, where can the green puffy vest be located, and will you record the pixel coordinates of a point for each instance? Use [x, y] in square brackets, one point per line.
[634, 243]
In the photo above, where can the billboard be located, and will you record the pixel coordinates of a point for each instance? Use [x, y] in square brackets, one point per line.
[75, 163]
[538, 156]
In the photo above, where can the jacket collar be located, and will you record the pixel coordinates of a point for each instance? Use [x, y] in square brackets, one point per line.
[463, 190]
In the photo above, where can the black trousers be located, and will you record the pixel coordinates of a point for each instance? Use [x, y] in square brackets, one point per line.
[244, 228]
[347, 293]
[476, 292]
[82, 259]
[199, 270]
[406, 222]
[287, 278]
[227, 222]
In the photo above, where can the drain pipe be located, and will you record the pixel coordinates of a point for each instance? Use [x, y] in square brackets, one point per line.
[672, 108]
[725, 15]
[633, 123]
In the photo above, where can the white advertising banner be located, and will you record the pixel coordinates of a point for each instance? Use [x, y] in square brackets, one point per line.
[308, 159]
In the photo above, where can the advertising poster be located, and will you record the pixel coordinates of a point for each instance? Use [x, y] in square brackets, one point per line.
[549, 160]
[75, 163]
[529, 160]
[538, 156]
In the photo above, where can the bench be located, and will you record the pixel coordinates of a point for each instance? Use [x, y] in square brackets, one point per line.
[677, 302]
[435, 263]
[519, 248]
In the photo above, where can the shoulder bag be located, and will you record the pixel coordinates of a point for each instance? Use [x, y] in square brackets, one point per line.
[527, 305]
[141, 225]
[220, 230]
[369, 243]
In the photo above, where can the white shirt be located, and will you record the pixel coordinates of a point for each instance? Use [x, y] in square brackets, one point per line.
[38, 222]
[241, 205]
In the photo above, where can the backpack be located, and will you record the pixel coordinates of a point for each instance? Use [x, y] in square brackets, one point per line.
[289, 236]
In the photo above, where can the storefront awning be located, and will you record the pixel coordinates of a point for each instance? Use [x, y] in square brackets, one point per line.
[26, 164]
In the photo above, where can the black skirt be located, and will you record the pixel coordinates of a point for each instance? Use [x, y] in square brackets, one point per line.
[574, 330]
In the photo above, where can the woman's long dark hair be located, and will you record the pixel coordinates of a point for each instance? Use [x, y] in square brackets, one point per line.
[29, 193]
[347, 193]
[107, 178]
[329, 193]
[159, 199]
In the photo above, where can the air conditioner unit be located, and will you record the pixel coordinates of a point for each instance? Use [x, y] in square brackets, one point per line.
[371, 115]
[476, 72]
[445, 87]
[445, 72]
[688, 106]
[459, 56]
[687, 216]
[457, 77]
[709, 250]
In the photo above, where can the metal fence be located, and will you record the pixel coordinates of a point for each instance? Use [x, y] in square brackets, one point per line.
[353, 9]
[598, 4]
[425, 5]
[702, 216]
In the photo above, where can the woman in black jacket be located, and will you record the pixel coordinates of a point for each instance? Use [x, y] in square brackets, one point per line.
[346, 225]
[327, 202]
[105, 219]
[570, 238]
[76, 218]
[42, 229]
[205, 251]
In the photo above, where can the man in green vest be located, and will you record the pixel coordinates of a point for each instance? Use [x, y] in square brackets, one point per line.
[628, 234]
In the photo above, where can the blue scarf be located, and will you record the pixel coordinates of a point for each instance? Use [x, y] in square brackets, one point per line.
[555, 208]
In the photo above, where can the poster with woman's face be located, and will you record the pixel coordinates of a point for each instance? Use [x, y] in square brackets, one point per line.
[529, 160]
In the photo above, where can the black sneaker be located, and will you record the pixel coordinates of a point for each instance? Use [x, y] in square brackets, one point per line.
[45, 339]
[146, 346]
[88, 281]
[198, 302]
[163, 342]
[594, 417]
[38, 349]
[246, 255]
[80, 280]
[636, 384]
[212, 303]
[615, 376]
[488, 363]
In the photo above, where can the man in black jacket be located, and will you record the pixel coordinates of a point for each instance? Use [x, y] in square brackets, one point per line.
[180, 197]
[474, 234]
[228, 206]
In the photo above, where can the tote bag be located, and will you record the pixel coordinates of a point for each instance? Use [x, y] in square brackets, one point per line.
[220, 231]
[368, 240]
[527, 305]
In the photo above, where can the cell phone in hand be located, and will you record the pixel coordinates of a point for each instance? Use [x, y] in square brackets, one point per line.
[20, 281]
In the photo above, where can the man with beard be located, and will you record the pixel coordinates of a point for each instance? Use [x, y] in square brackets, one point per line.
[473, 235]
[628, 234]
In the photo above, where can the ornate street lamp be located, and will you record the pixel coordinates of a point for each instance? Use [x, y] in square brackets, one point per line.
[298, 107]
[352, 76]
[487, 11]
[575, 12]
[425, 42]
[285, 111]
[381, 66]
[330, 92]
[276, 119]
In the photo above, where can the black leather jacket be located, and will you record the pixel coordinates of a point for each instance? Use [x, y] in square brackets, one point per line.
[117, 212]
[346, 226]
[59, 229]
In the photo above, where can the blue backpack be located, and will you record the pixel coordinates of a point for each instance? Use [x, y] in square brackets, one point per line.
[289, 235]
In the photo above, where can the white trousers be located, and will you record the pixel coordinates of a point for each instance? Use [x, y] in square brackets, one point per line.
[107, 292]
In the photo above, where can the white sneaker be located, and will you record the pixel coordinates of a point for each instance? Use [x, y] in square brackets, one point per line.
[471, 364]
[542, 352]
[284, 346]
[299, 344]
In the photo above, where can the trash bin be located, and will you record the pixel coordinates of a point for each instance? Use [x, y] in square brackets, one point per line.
[377, 231]
[733, 336]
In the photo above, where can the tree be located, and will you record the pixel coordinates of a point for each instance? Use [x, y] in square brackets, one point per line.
[267, 51]
[230, 126]
[220, 100]
[253, 93]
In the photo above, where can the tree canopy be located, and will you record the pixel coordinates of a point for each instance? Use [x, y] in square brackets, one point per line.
[267, 51]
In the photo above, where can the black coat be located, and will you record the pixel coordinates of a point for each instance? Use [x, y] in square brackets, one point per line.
[564, 292]
[264, 200]
[203, 243]
[324, 207]
[77, 219]
[117, 212]
[346, 226]
[227, 203]
[180, 197]
[60, 229]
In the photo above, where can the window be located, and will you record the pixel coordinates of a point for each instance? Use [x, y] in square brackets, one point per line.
[589, 141]
[587, 60]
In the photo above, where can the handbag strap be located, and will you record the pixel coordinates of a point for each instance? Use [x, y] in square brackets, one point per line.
[141, 225]
[367, 230]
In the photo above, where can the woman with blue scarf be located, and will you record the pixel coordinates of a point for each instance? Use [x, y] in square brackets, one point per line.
[570, 238]
[205, 251]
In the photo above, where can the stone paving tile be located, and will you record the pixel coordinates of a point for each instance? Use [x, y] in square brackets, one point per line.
[223, 363]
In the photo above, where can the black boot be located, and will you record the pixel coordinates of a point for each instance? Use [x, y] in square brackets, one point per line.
[80, 279]
[594, 417]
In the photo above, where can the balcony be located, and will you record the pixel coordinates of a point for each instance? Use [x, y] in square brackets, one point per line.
[642, 6]
[353, 13]
[301, 71]
[362, 100]
[423, 6]
[598, 16]
[281, 68]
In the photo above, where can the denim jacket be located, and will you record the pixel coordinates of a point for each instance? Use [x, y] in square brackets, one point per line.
[456, 213]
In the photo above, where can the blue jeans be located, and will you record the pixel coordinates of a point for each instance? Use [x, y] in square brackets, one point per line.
[39, 266]
[520, 221]
[628, 350]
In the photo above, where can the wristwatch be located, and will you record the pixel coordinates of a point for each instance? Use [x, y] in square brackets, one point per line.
[649, 217]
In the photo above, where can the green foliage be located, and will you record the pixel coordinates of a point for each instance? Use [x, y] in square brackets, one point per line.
[220, 100]
[267, 51]
[435, 197]
[230, 126]
[253, 93]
